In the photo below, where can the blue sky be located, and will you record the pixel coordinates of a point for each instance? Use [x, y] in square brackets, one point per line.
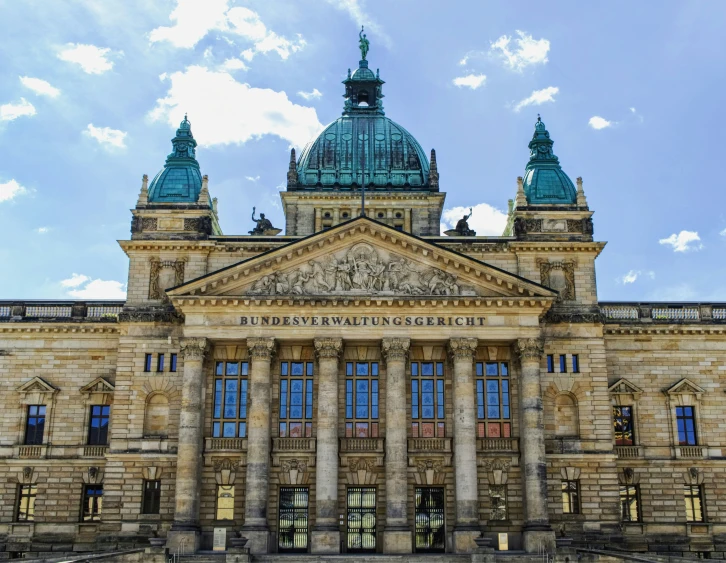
[91, 92]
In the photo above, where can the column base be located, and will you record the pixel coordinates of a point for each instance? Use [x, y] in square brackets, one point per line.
[397, 540]
[464, 539]
[258, 539]
[183, 541]
[537, 538]
[325, 541]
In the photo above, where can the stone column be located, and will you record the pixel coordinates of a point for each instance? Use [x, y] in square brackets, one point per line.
[397, 533]
[325, 536]
[184, 532]
[466, 526]
[257, 482]
[537, 530]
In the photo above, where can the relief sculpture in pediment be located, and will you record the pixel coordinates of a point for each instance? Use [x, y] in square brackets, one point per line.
[360, 270]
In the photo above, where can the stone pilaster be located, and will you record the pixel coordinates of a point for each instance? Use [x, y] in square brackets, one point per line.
[185, 529]
[538, 533]
[257, 483]
[397, 533]
[466, 526]
[325, 536]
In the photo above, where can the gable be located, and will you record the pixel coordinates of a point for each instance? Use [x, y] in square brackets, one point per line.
[366, 258]
[685, 387]
[36, 385]
[98, 385]
[624, 387]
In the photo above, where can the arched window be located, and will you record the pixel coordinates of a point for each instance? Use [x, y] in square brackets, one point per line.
[566, 417]
[156, 418]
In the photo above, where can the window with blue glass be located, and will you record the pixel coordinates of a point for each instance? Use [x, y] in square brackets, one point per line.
[686, 420]
[361, 399]
[296, 399]
[35, 424]
[493, 400]
[229, 416]
[428, 418]
[98, 425]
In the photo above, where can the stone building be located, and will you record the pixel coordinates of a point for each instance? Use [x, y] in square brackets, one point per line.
[362, 383]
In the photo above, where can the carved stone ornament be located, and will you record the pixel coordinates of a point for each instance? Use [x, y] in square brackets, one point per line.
[361, 270]
[559, 276]
[430, 472]
[497, 470]
[529, 349]
[151, 473]
[362, 464]
[328, 347]
[198, 225]
[693, 476]
[395, 348]
[93, 476]
[225, 470]
[555, 317]
[261, 348]
[165, 274]
[27, 475]
[523, 226]
[628, 476]
[194, 348]
[288, 465]
[163, 314]
[462, 348]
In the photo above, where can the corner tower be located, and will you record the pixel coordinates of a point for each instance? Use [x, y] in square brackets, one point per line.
[363, 162]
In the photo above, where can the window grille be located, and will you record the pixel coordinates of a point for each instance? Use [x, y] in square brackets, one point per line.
[293, 519]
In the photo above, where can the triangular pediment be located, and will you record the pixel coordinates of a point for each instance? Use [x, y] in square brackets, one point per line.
[362, 258]
[685, 387]
[36, 385]
[98, 385]
[624, 387]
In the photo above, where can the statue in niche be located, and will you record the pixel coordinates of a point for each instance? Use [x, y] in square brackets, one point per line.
[264, 226]
[462, 227]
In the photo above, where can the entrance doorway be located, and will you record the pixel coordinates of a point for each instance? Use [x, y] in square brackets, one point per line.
[430, 529]
[361, 528]
[293, 519]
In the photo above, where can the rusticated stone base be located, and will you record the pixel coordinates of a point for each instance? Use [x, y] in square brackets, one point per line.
[537, 540]
[258, 540]
[464, 540]
[325, 541]
[397, 541]
[183, 541]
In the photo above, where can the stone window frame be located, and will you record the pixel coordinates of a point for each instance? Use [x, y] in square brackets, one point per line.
[374, 422]
[630, 477]
[571, 475]
[483, 378]
[98, 392]
[694, 477]
[36, 391]
[624, 393]
[497, 471]
[685, 393]
[439, 423]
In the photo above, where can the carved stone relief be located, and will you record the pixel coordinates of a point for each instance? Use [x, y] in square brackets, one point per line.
[362, 471]
[294, 471]
[559, 276]
[360, 270]
[198, 225]
[225, 471]
[165, 274]
[497, 470]
[430, 472]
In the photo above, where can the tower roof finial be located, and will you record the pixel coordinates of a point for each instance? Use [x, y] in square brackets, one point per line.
[364, 44]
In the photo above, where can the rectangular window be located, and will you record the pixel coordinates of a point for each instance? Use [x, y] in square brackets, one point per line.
[172, 363]
[229, 416]
[497, 502]
[361, 400]
[147, 362]
[160, 362]
[563, 363]
[35, 424]
[224, 509]
[693, 495]
[296, 399]
[151, 497]
[98, 425]
[623, 425]
[550, 363]
[92, 502]
[570, 497]
[428, 416]
[575, 363]
[493, 409]
[686, 420]
[26, 503]
[629, 503]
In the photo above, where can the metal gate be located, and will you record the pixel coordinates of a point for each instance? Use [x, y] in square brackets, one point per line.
[430, 529]
[361, 529]
[293, 525]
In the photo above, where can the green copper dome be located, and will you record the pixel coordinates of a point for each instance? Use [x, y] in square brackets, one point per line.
[363, 147]
[544, 180]
[180, 181]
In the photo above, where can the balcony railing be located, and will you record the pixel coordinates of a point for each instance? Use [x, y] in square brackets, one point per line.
[429, 445]
[498, 444]
[628, 452]
[293, 444]
[689, 452]
[225, 444]
[662, 312]
[361, 445]
[48, 311]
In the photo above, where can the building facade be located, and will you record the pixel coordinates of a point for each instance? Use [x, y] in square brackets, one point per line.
[362, 383]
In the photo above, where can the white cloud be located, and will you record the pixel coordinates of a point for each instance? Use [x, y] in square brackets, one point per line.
[39, 86]
[83, 287]
[470, 55]
[681, 242]
[10, 190]
[472, 81]
[232, 64]
[527, 50]
[92, 59]
[193, 20]
[597, 122]
[538, 97]
[107, 136]
[633, 275]
[218, 107]
[252, 178]
[10, 112]
[486, 220]
[358, 15]
[723, 233]
[314, 95]
[42, 230]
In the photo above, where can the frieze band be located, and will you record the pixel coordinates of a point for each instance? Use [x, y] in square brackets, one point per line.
[303, 321]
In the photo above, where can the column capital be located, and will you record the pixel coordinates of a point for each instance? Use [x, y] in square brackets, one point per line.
[529, 349]
[464, 348]
[261, 348]
[194, 348]
[395, 348]
[328, 347]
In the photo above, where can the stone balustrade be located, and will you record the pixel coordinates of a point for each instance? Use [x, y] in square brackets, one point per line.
[50, 311]
[635, 312]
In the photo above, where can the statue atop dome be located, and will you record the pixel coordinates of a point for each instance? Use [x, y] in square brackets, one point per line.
[364, 44]
[264, 226]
